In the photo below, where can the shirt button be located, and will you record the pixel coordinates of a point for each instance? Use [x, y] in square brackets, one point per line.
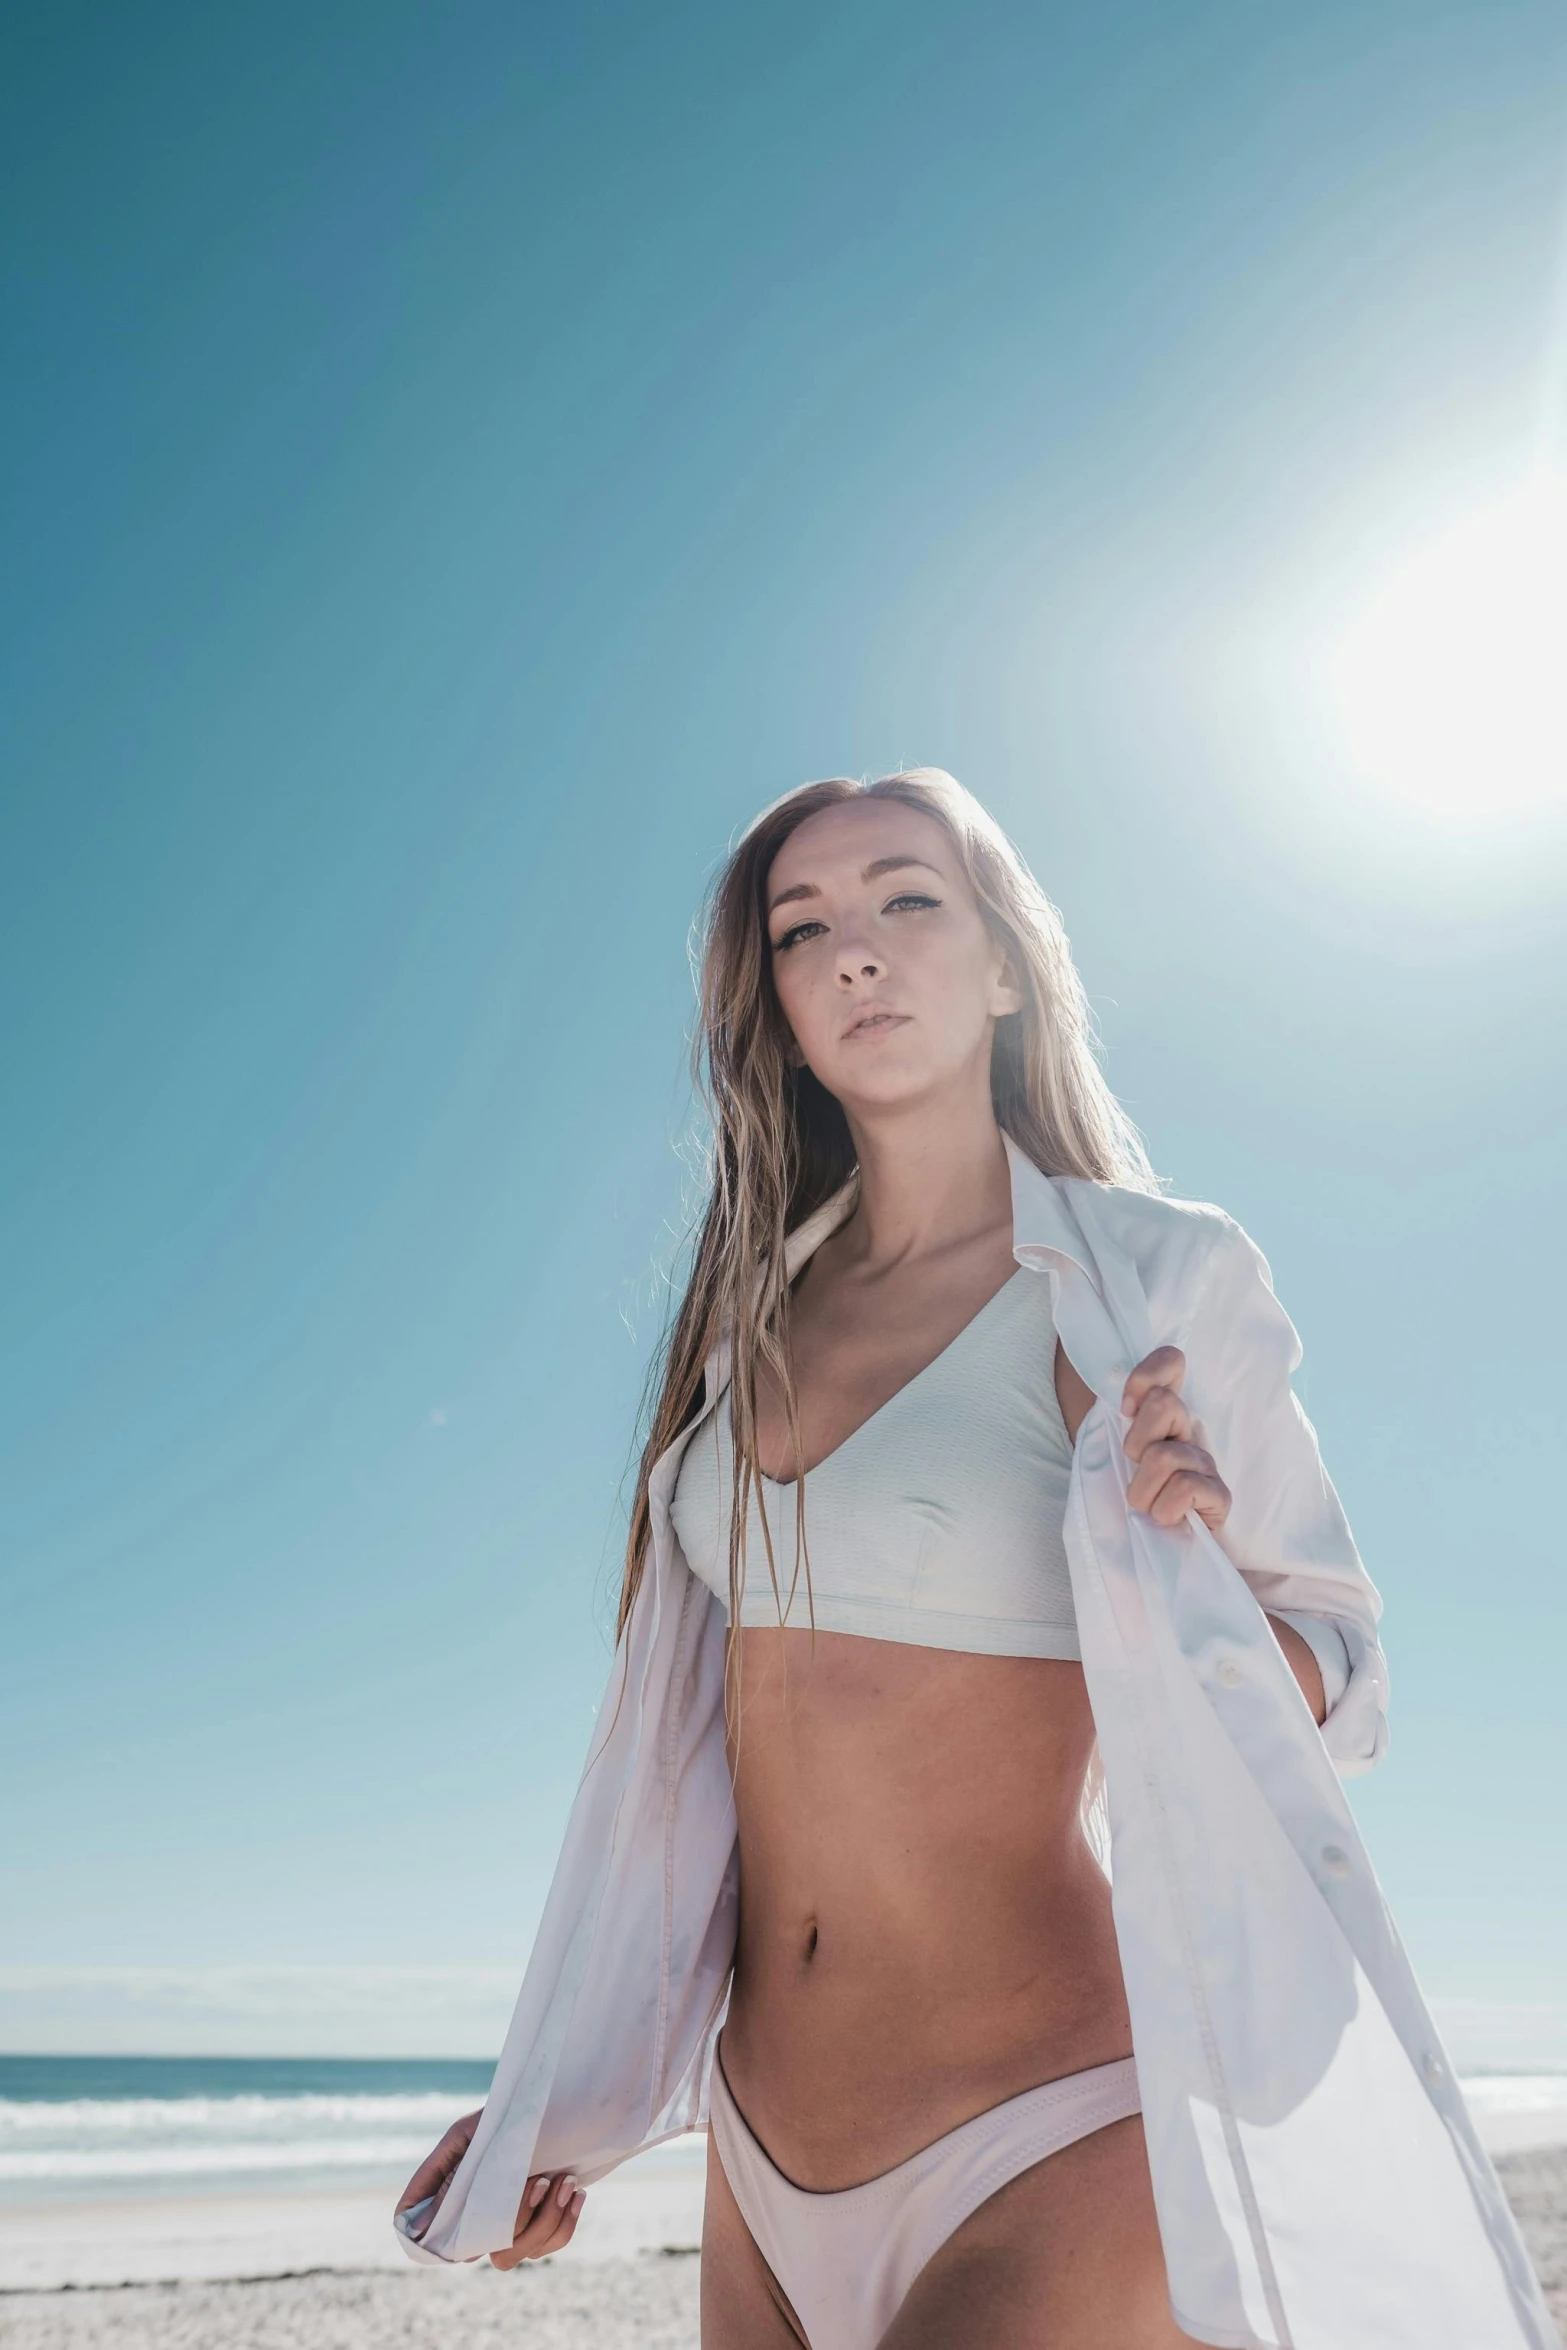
[1434, 2069]
[1230, 1673]
[1335, 1860]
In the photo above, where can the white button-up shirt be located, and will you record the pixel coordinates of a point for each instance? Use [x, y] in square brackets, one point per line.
[1318, 2182]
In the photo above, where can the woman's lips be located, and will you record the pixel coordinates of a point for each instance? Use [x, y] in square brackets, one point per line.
[875, 1024]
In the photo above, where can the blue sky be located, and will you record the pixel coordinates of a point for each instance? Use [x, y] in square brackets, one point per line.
[462, 462]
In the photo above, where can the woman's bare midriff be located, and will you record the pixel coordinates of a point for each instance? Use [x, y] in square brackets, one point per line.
[924, 1931]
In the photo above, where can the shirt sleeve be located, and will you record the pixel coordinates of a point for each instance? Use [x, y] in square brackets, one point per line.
[1286, 1532]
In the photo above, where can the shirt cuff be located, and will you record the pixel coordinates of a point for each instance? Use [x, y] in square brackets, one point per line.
[410, 2226]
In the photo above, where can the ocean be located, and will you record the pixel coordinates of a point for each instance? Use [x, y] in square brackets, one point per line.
[79, 2129]
[88, 2127]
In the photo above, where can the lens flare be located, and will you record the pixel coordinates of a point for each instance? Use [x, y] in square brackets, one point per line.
[1453, 686]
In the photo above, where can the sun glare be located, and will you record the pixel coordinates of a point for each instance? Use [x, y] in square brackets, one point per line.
[1454, 683]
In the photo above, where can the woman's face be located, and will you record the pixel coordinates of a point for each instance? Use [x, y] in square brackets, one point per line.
[885, 969]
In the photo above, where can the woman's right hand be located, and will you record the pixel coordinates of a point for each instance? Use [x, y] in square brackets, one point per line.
[546, 2217]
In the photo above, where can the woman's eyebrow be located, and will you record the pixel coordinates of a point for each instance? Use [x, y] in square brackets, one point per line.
[871, 872]
[896, 865]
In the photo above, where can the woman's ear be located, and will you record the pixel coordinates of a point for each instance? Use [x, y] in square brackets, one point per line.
[1005, 993]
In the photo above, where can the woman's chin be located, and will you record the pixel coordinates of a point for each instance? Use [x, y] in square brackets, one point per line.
[885, 1089]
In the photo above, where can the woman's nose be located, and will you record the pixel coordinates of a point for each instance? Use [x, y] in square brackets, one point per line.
[857, 962]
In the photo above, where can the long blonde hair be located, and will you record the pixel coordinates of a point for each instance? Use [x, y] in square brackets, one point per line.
[780, 1142]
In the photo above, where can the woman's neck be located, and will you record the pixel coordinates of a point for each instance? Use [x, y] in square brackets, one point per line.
[927, 1184]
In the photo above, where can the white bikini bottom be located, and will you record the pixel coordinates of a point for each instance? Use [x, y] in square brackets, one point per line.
[846, 2261]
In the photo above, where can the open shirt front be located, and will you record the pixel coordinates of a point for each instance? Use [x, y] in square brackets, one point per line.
[1318, 2182]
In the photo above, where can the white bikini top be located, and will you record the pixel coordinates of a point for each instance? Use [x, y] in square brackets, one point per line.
[938, 1522]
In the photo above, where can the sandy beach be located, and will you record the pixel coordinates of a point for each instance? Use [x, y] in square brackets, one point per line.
[605, 2305]
[630, 2283]
[322, 2272]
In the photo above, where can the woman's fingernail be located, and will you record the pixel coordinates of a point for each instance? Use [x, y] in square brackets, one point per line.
[578, 2200]
[537, 2193]
[567, 2188]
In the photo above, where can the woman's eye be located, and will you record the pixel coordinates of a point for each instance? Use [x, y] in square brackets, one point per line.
[907, 901]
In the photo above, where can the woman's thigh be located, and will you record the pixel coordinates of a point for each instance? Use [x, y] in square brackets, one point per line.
[1066, 2256]
[743, 2307]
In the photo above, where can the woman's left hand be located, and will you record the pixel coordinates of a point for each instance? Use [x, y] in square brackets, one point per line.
[1174, 1473]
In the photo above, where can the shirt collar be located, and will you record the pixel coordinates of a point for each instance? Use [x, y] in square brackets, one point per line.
[807, 1238]
[1042, 1219]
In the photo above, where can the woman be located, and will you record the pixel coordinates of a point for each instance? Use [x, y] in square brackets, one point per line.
[934, 1569]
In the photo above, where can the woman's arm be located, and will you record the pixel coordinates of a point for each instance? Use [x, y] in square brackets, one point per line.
[1286, 1531]
[1300, 1656]
[1176, 1474]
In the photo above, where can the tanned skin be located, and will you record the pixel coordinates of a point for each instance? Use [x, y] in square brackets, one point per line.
[924, 1931]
